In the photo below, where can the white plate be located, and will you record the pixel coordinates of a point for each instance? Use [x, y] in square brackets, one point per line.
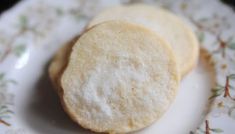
[32, 31]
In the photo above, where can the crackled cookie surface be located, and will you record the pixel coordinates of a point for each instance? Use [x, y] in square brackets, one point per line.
[120, 77]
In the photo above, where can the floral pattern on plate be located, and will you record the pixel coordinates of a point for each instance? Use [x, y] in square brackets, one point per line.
[29, 25]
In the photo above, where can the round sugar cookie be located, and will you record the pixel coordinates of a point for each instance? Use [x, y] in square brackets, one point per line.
[120, 77]
[167, 25]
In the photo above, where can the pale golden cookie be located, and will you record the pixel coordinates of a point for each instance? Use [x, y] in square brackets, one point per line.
[59, 63]
[120, 77]
[170, 27]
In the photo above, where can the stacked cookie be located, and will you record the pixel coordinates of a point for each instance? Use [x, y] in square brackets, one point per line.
[123, 72]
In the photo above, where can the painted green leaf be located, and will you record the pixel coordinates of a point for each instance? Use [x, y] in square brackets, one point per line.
[3, 107]
[19, 50]
[201, 36]
[231, 87]
[232, 45]
[184, 6]
[217, 130]
[2, 76]
[80, 17]
[12, 82]
[7, 111]
[59, 11]
[77, 15]
[5, 116]
[203, 19]
[231, 112]
[201, 131]
[23, 21]
[216, 89]
[220, 91]
[214, 95]
[232, 76]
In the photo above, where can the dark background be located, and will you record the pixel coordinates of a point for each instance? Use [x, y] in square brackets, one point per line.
[230, 2]
[6, 4]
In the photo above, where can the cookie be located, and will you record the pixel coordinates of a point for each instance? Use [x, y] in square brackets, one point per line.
[59, 63]
[167, 25]
[120, 77]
